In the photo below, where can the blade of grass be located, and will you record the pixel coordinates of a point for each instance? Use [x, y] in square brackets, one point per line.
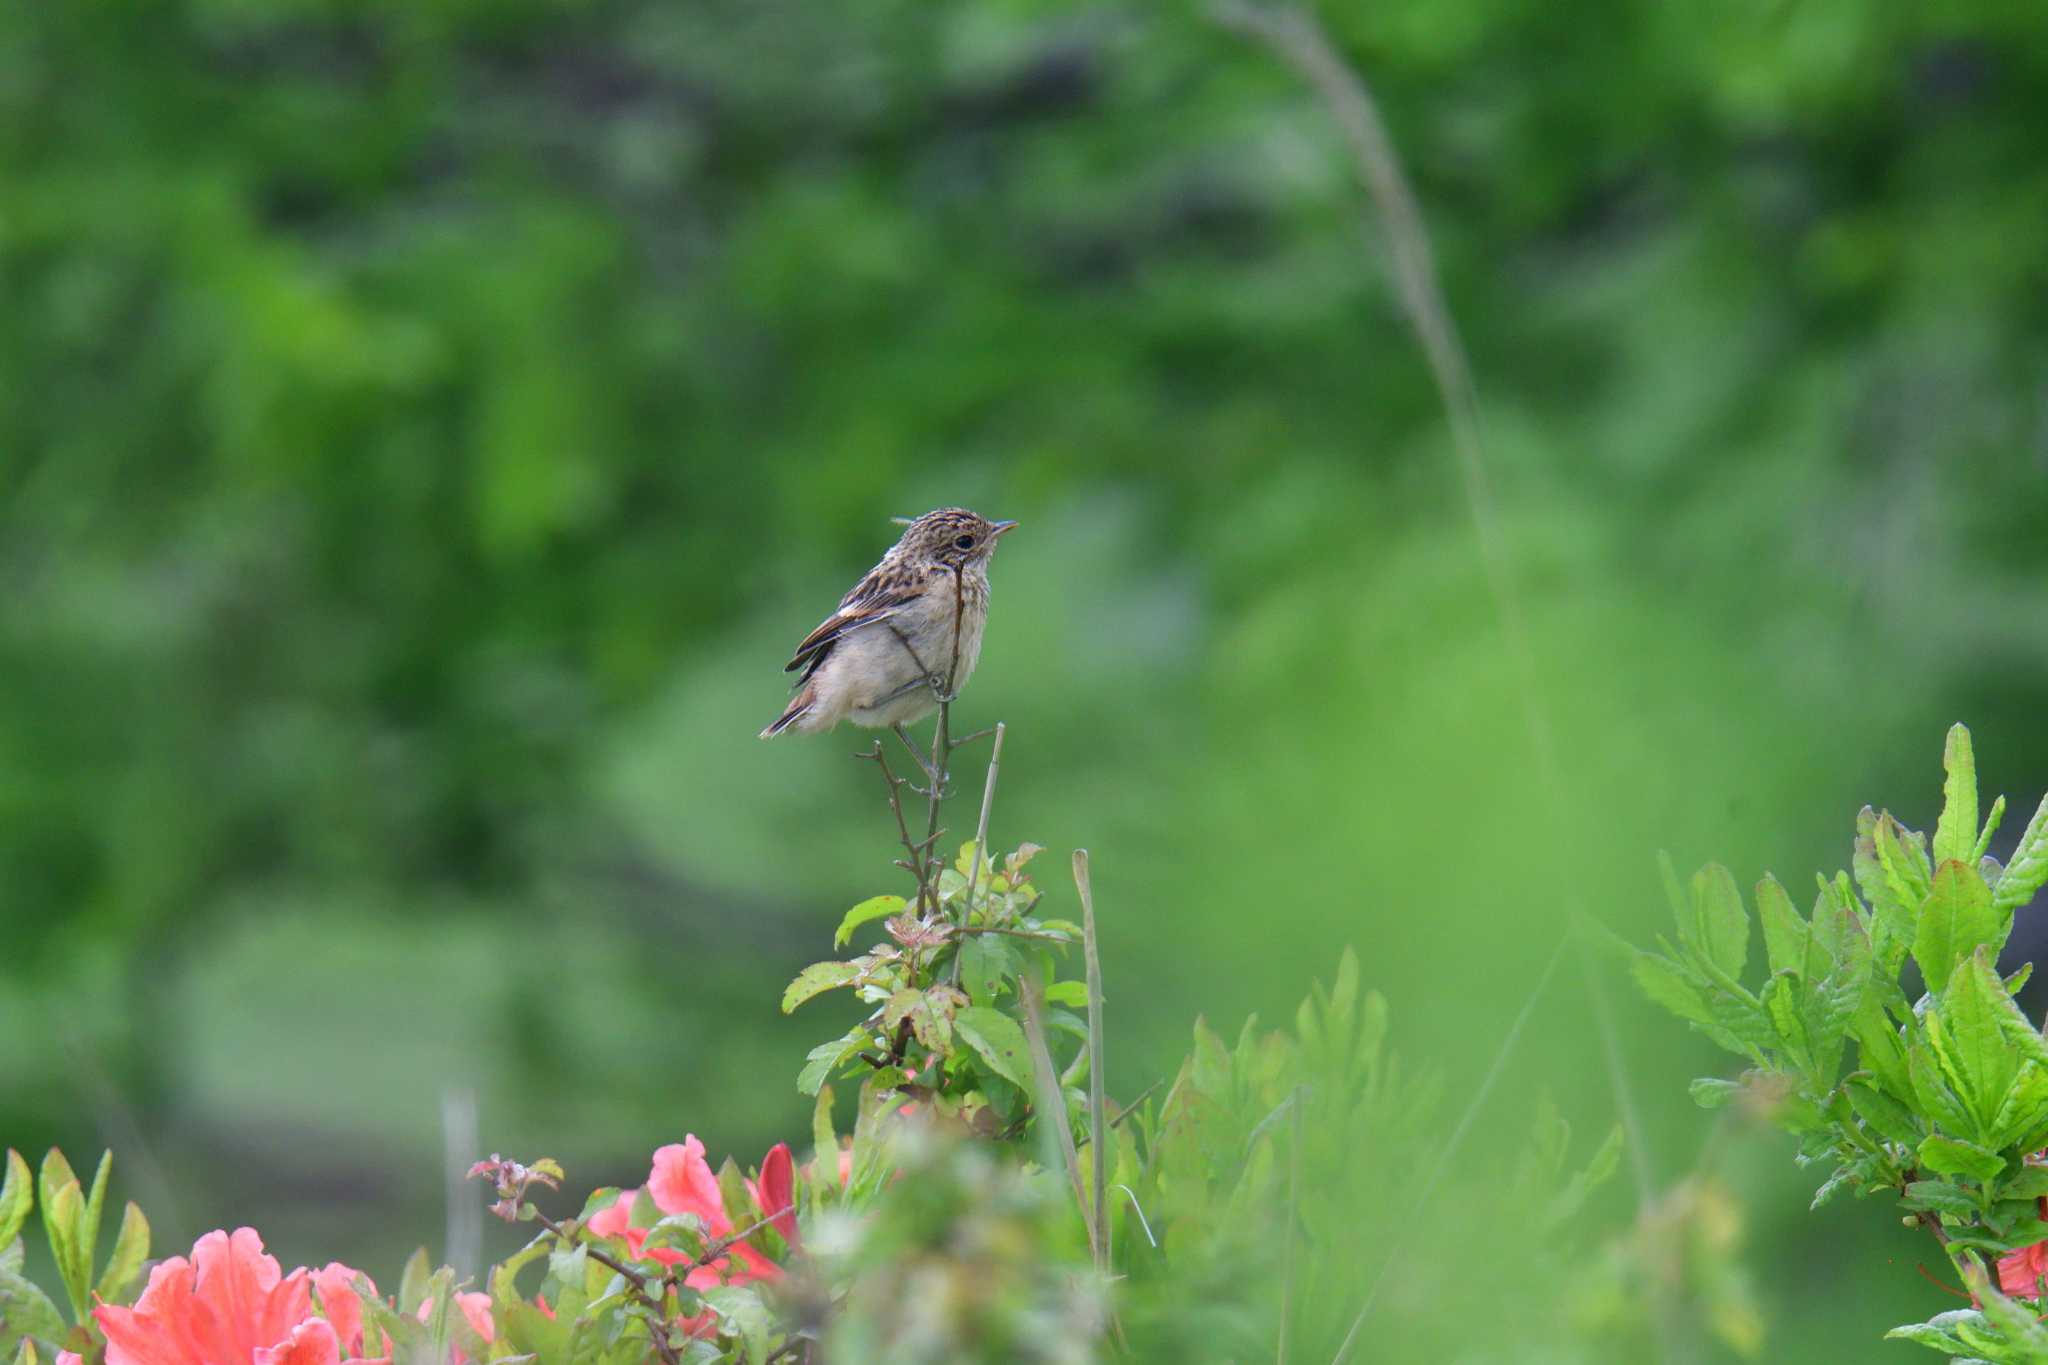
[1052, 1106]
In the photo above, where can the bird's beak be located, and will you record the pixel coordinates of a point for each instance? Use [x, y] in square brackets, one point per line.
[998, 527]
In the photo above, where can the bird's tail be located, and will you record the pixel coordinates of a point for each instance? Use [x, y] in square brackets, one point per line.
[799, 706]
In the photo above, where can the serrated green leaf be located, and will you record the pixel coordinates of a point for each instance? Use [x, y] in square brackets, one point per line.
[1931, 1093]
[2023, 1108]
[1879, 1049]
[2029, 1182]
[1722, 923]
[873, 908]
[999, 1041]
[2027, 869]
[17, 1197]
[1969, 1039]
[1941, 1197]
[124, 1262]
[1660, 978]
[1953, 1156]
[1891, 1120]
[1991, 824]
[1954, 920]
[1785, 934]
[816, 979]
[1955, 833]
[1781, 1005]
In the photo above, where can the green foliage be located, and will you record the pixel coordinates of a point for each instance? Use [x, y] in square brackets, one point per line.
[71, 1218]
[1945, 1100]
[945, 1022]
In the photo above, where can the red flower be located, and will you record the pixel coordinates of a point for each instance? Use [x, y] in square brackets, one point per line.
[2020, 1272]
[228, 1305]
[681, 1181]
[775, 1192]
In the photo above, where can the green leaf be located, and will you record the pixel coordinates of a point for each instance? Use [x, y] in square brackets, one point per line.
[1953, 1156]
[17, 1197]
[1879, 1048]
[1942, 1197]
[1722, 923]
[26, 1310]
[2029, 1182]
[63, 1216]
[2028, 866]
[1968, 1037]
[986, 963]
[1955, 834]
[1991, 824]
[1000, 1042]
[1074, 994]
[1781, 1004]
[1931, 1093]
[816, 979]
[1890, 1119]
[1662, 980]
[826, 1058]
[2024, 1107]
[124, 1263]
[95, 1210]
[1785, 934]
[1710, 1092]
[873, 908]
[1932, 1333]
[412, 1282]
[1955, 919]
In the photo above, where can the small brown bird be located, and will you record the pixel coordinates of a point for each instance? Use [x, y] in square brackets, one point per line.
[908, 634]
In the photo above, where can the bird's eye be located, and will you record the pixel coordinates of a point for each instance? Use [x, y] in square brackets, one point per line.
[963, 542]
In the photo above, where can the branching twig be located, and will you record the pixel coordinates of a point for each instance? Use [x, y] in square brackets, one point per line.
[636, 1283]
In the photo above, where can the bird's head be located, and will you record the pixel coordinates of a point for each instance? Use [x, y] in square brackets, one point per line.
[954, 537]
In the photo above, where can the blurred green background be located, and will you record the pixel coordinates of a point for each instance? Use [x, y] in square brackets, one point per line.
[424, 428]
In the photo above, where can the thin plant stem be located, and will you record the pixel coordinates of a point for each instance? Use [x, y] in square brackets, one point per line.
[1293, 1217]
[1298, 39]
[1098, 1158]
[988, 799]
[928, 884]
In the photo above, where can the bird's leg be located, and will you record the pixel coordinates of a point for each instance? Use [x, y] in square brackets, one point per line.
[923, 765]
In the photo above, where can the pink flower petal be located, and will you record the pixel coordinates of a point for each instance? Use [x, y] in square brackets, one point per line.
[682, 1182]
[336, 1285]
[312, 1342]
[776, 1192]
[2019, 1273]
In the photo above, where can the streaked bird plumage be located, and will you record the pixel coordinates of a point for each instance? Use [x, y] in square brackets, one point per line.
[907, 633]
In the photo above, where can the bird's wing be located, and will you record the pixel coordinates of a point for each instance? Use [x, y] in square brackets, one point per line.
[882, 594]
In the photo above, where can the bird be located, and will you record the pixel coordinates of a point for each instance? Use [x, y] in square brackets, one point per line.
[905, 638]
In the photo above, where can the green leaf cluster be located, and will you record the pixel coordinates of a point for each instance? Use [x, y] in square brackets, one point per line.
[1942, 1100]
[72, 1214]
[945, 1018]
